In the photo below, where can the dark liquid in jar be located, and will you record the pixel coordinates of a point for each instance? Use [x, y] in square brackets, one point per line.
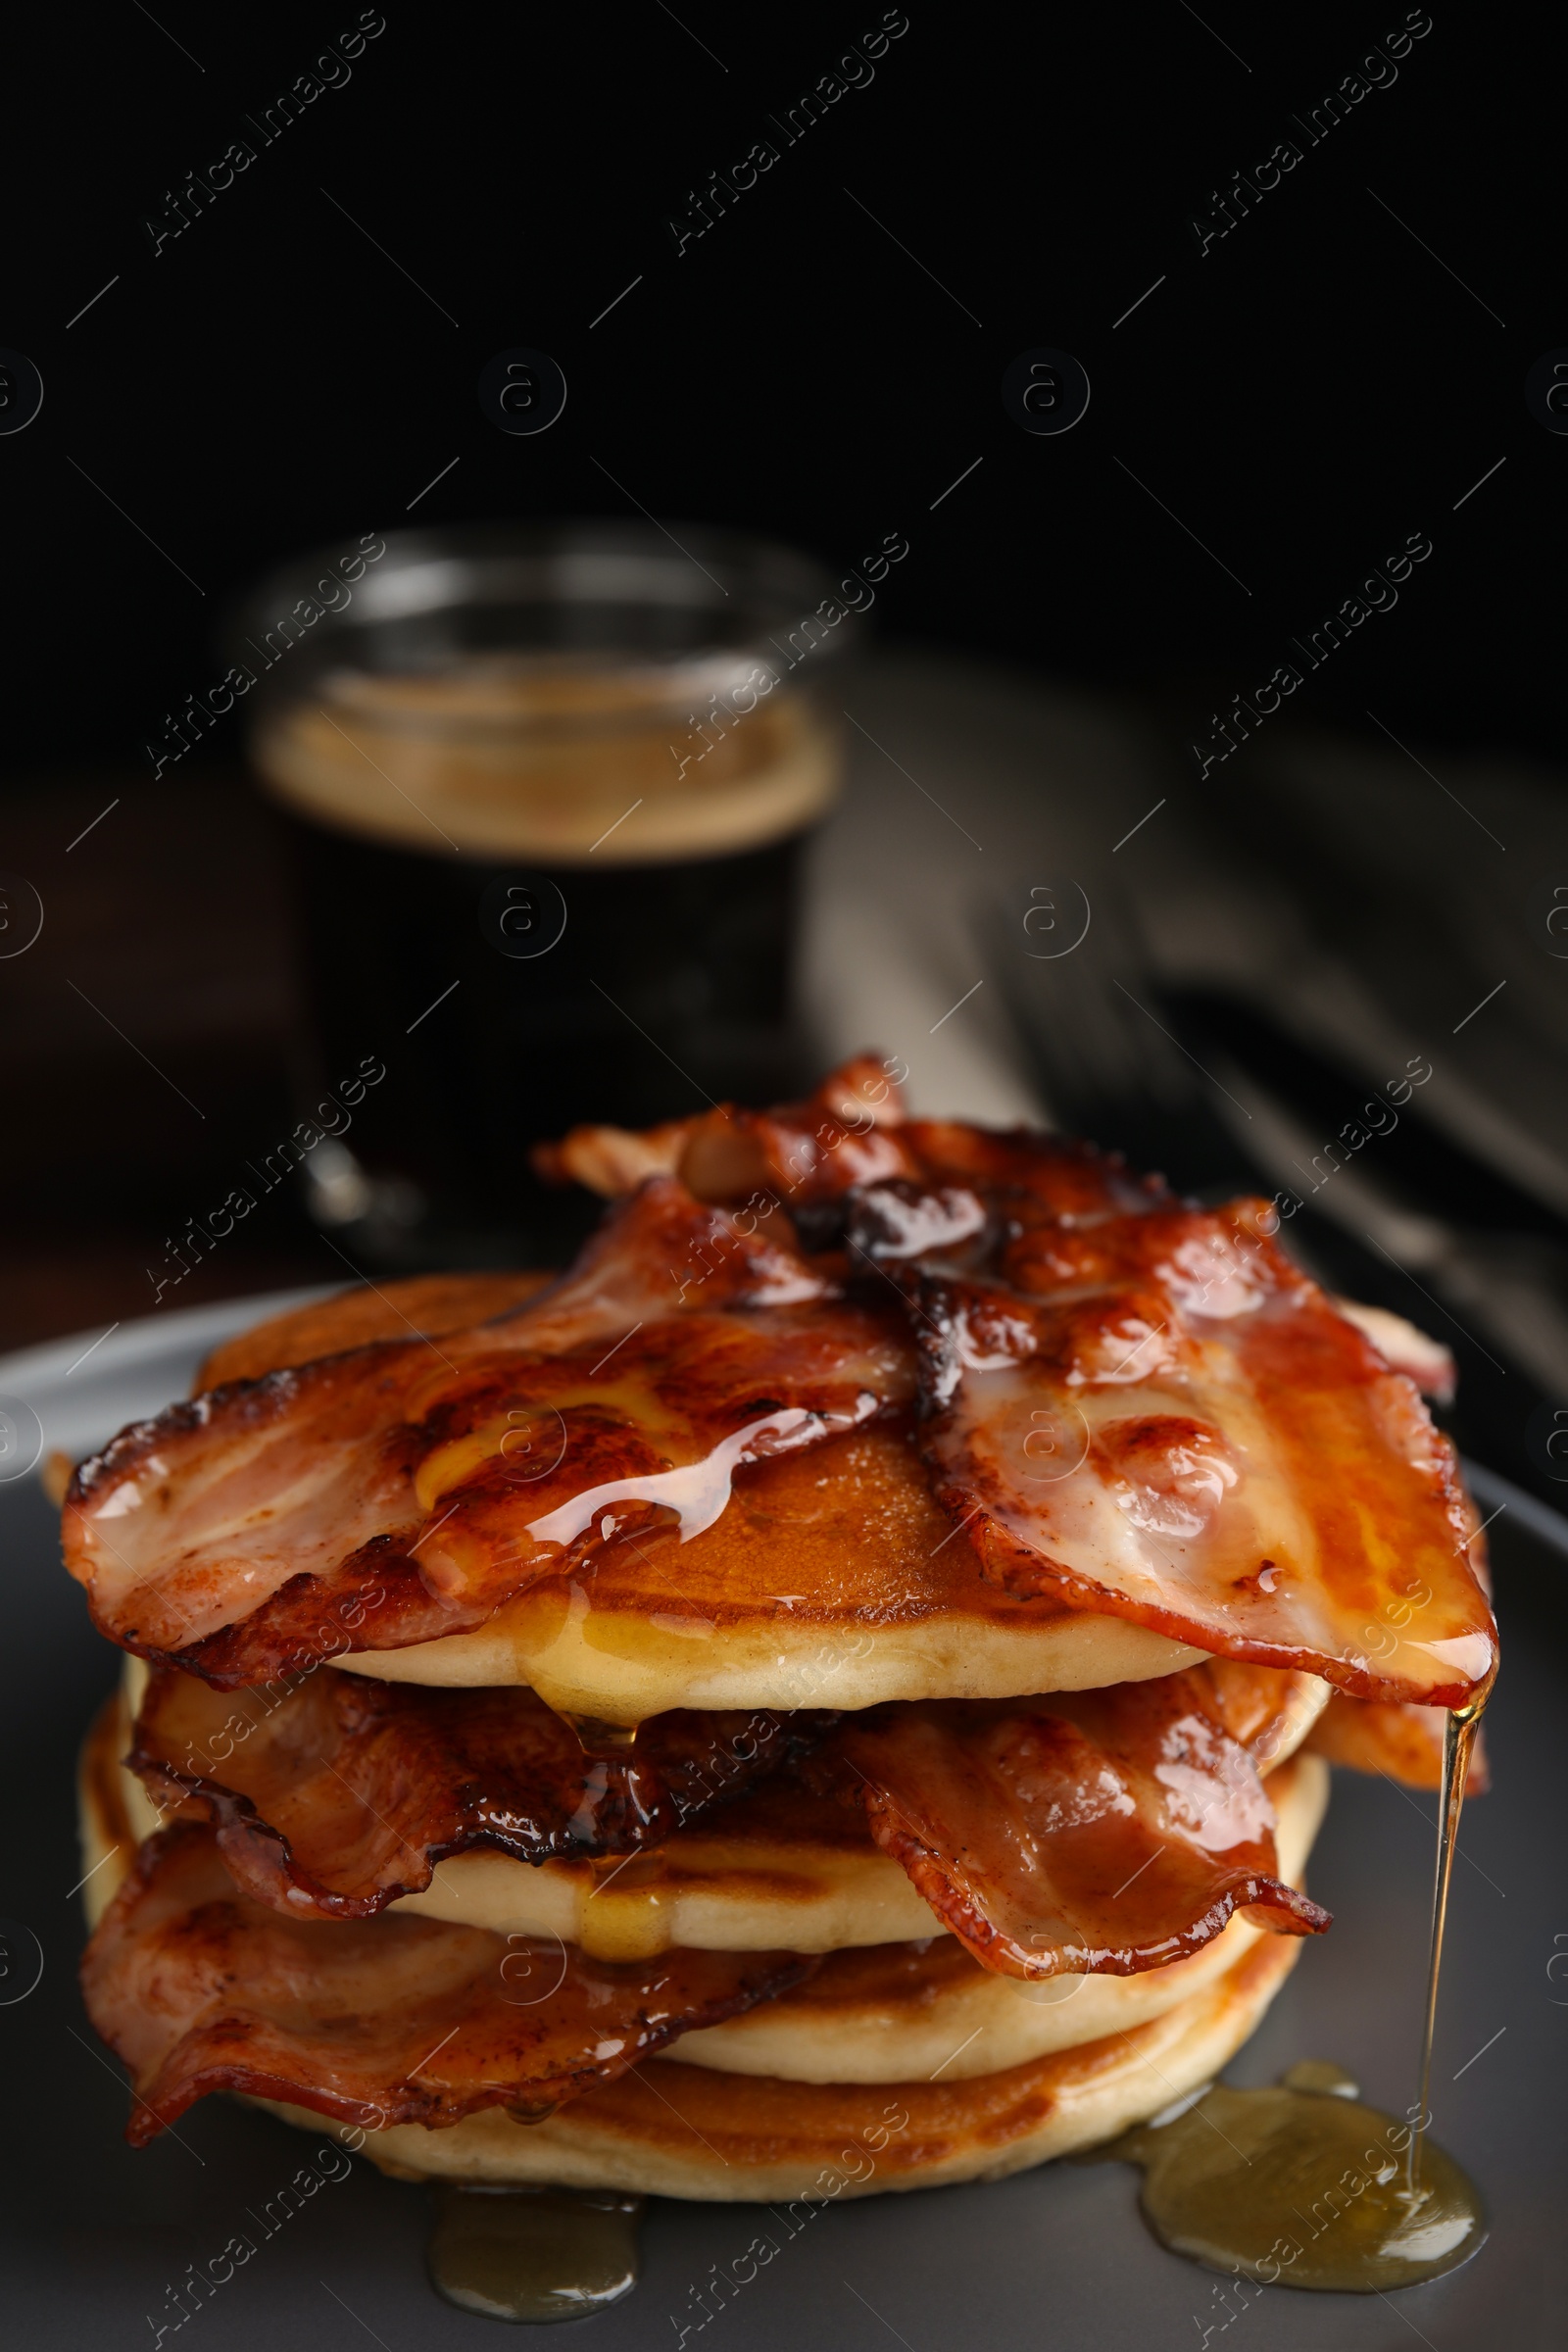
[668, 989]
[529, 888]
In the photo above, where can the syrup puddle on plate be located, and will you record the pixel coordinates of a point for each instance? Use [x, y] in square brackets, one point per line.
[533, 2254]
[1300, 2184]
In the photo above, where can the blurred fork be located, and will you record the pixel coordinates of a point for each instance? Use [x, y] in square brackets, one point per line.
[1105, 1052]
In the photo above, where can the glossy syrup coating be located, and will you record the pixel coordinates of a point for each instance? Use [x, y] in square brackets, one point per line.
[402, 1491]
[1091, 1832]
[1402, 1743]
[1302, 2186]
[534, 2255]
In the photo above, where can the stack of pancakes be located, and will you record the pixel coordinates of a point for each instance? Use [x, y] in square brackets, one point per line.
[817, 1700]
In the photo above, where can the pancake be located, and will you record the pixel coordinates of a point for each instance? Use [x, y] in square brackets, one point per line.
[897, 1612]
[660, 1625]
[112, 1810]
[692, 2131]
[431, 1303]
[674, 2131]
[883, 1603]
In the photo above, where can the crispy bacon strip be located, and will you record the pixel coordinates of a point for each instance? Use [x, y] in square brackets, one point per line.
[1031, 1181]
[334, 1797]
[850, 1134]
[801, 1152]
[374, 2022]
[612, 1161]
[402, 1491]
[1428, 1362]
[1153, 1414]
[1098, 1832]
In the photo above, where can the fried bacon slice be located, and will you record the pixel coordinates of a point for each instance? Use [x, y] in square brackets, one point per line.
[1428, 1362]
[612, 1161]
[1132, 1408]
[852, 1133]
[1147, 1409]
[334, 1797]
[402, 1491]
[846, 1133]
[374, 2022]
[1089, 1832]
[1403, 1744]
[1153, 1414]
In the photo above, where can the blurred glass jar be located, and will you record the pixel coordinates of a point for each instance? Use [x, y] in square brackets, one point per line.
[545, 793]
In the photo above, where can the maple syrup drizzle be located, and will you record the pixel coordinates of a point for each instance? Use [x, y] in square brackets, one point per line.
[1299, 2184]
[1458, 1744]
[698, 1492]
[533, 2254]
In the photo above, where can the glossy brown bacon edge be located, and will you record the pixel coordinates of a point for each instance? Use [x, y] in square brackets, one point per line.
[1047, 1267]
[1236, 1374]
[1089, 1832]
[938, 1184]
[400, 1492]
[338, 1796]
[374, 2022]
[851, 1132]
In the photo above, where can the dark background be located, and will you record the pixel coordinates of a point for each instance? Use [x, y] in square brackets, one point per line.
[1303, 397]
[1309, 392]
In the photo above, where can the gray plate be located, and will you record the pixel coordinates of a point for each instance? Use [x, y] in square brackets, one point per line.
[94, 2234]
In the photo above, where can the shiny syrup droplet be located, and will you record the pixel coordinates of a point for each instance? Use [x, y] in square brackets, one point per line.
[612, 1742]
[534, 2255]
